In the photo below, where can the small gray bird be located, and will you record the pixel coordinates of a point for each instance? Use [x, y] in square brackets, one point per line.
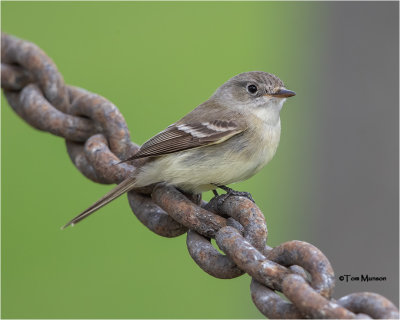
[226, 139]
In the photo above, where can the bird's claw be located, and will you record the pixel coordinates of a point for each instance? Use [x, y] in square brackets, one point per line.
[230, 192]
[248, 196]
[240, 194]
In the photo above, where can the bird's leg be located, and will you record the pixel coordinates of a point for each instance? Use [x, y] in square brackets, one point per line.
[215, 193]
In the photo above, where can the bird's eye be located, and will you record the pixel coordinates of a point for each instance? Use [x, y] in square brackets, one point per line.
[252, 88]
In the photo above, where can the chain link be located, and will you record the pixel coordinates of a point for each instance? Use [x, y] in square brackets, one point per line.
[97, 137]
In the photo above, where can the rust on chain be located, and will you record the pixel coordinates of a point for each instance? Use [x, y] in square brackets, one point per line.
[77, 155]
[185, 212]
[271, 304]
[14, 77]
[39, 65]
[107, 116]
[311, 259]
[371, 304]
[103, 160]
[248, 215]
[209, 259]
[97, 138]
[250, 259]
[153, 217]
[310, 302]
[31, 105]
[252, 225]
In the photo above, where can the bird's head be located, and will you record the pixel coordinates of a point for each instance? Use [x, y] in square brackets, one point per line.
[253, 89]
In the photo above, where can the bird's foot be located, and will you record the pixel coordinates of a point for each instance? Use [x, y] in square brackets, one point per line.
[230, 192]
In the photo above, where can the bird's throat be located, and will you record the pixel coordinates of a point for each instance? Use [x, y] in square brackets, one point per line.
[268, 113]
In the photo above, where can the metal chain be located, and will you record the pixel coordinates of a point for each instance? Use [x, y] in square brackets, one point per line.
[97, 137]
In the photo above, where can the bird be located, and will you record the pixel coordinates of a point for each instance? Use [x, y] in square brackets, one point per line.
[228, 138]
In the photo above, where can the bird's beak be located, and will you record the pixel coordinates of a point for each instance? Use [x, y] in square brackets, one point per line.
[283, 93]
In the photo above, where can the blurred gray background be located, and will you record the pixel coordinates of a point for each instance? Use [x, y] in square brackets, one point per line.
[357, 156]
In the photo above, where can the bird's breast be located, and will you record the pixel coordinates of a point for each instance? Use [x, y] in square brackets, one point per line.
[260, 153]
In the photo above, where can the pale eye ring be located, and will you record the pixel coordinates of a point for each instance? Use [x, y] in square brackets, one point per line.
[252, 88]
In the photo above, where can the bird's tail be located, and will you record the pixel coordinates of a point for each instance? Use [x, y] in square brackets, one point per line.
[120, 189]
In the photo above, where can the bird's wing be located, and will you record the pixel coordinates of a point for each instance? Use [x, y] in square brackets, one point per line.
[181, 136]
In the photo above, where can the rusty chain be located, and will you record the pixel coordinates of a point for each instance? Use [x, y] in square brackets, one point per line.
[97, 137]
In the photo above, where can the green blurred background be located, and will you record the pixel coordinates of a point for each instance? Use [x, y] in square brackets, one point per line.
[155, 60]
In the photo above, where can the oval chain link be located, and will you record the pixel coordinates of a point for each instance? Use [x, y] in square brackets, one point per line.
[97, 137]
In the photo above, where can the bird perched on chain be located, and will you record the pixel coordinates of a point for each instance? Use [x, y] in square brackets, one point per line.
[226, 139]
